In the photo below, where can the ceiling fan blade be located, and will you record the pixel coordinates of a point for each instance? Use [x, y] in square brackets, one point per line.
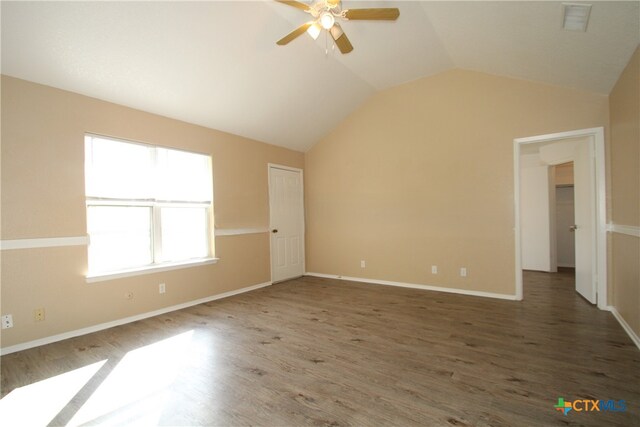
[386, 14]
[296, 4]
[295, 33]
[340, 38]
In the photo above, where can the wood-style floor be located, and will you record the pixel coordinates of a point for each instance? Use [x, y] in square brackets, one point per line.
[325, 352]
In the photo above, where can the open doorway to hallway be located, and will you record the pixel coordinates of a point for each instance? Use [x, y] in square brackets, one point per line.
[537, 160]
[565, 216]
[548, 221]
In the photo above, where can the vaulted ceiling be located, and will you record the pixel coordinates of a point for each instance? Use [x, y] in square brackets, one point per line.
[216, 63]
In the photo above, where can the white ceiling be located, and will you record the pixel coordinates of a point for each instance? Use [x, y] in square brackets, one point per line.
[216, 64]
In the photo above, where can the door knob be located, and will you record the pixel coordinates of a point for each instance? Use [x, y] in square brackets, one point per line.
[573, 228]
[275, 230]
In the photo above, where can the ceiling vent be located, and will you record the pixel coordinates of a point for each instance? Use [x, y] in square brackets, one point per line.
[576, 16]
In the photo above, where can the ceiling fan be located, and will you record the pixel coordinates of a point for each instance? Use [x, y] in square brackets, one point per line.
[325, 13]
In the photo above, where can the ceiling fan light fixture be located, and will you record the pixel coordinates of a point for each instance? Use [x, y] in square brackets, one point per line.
[314, 30]
[327, 20]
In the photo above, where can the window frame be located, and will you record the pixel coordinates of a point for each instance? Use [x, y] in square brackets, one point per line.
[155, 207]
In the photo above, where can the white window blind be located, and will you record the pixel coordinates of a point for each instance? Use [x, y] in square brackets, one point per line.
[146, 205]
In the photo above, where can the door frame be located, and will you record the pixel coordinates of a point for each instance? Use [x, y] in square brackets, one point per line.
[304, 238]
[600, 243]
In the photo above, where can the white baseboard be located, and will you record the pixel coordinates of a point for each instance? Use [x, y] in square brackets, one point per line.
[625, 326]
[418, 286]
[107, 325]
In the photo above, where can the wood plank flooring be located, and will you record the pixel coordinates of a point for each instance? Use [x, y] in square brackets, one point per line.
[325, 352]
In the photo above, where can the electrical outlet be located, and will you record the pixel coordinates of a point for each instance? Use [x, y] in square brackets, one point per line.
[162, 288]
[434, 269]
[38, 314]
[463, 272]
[362, 264]
[128, 295]
[7, 321]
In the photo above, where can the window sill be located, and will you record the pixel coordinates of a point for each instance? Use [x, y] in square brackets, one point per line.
[101, 277]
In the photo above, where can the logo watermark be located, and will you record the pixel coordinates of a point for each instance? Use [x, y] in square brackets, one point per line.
[589, 405]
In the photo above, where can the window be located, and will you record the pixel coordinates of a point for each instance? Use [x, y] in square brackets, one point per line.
[147, 206]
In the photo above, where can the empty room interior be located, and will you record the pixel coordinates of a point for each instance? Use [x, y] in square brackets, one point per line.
[320, 212]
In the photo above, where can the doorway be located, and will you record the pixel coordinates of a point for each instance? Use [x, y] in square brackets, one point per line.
[286, 222]
[586, 149]
[565, 216]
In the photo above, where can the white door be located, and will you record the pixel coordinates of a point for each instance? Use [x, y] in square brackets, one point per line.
[585, 232]
[565, 218]
[286, 206]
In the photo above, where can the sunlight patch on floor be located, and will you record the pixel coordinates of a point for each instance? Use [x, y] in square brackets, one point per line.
[139, 385]
[39, 403]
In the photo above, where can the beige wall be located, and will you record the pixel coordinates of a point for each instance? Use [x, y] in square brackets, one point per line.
[625, 192]
[43, 196]
[422, 174]
[564, 174]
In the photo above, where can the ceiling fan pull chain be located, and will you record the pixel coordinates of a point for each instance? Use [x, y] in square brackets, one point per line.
[326, 41]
